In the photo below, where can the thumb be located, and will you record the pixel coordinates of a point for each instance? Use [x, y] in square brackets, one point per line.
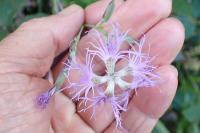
[33, 46]
[25, 56]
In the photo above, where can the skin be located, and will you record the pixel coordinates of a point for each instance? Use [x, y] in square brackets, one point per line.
[27, 54]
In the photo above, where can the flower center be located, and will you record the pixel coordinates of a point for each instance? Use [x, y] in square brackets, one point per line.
[110, 66]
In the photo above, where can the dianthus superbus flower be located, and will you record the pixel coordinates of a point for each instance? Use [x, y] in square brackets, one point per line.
[111, 87]
[107, 48]
[139, 67]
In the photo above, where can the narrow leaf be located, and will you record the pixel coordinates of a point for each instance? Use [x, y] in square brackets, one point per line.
[109, 11]
[60, 80]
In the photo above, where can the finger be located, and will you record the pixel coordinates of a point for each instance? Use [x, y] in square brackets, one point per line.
[65, 119]
[171, 31]
[130, 16]
[149, 104]
[133, 16]
[35, 43]
[164, 41]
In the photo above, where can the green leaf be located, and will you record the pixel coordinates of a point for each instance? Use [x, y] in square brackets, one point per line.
[8, 10]
[193, 64]
[192, 114]
[109, 11]
[182, 126]
[160, 128]
[179, 101]
[186, 95]
[82, 3]
[182, 7]
[195, 8]
[194, 128]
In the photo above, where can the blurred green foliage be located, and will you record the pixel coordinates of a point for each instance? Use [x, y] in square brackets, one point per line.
[186, 106]
[184, 114]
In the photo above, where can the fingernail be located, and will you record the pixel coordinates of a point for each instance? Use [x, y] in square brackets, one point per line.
[70, 9]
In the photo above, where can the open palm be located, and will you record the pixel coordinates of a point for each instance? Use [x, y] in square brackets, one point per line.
[27, 55]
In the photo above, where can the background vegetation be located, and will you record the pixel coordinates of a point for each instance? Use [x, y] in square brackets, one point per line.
[184, 114]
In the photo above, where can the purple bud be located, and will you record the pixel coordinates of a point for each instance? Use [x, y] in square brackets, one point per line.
[43, 99]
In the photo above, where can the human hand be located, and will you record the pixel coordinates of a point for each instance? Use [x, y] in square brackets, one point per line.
[22, 70]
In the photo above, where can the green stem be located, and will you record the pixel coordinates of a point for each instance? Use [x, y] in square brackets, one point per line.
[73, 50]
[60, 80]
[40, 4]
[57, 6]
[73, 47]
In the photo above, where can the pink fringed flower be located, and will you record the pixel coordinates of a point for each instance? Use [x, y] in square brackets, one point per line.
[107, 48]
[111, 88]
